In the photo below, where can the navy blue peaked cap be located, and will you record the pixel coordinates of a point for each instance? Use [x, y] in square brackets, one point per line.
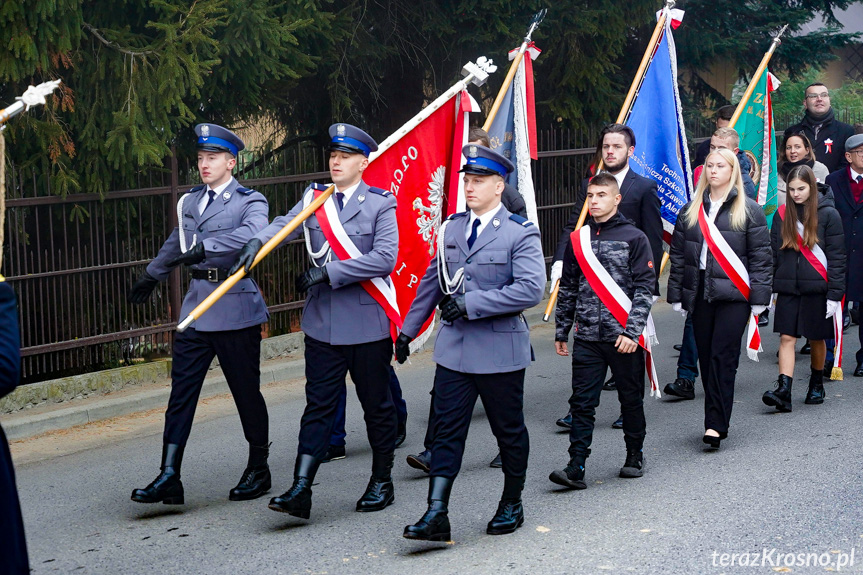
[485, 162]
[214, 138]
[347, 138]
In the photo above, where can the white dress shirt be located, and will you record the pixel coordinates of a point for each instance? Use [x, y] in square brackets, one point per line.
[483, 221]
[711, 215]
[348, 192]
[202, 203]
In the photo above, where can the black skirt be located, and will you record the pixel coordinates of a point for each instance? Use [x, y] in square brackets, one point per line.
[803, 316]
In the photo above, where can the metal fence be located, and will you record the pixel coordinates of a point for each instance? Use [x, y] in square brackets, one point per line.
[71, 260]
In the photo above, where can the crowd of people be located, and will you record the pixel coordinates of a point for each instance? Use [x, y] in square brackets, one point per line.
[727, 268]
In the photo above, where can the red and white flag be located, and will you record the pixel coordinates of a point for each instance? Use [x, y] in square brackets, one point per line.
[420, 169]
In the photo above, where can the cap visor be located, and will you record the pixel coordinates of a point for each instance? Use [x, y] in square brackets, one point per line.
[341, 147]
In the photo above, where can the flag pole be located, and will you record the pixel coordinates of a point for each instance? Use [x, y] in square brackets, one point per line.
[761, 67]
[476, 73]
[621, 117]
[534, 24]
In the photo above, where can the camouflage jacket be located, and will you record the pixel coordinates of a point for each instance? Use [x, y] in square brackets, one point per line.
[623, 250]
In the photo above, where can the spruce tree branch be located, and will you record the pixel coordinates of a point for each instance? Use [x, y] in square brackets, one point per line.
[114, 45]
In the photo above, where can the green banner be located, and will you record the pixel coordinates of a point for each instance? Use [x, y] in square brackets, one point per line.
[755, 126]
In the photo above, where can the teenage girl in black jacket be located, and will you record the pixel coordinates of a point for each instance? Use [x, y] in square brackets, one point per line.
[805, 302]
[698, 284]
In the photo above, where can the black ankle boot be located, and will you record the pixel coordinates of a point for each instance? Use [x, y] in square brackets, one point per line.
[781, 396]
[815, 395]
[297, 500]
[510, 511]
[572, 475]
[167, 487]
[634, 464]
[434, 525]
[256, 479]
[379, 492]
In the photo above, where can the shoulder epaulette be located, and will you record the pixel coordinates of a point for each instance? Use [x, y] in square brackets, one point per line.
[520, 220]
[245, 191]
[457, 215]
[380, 192]
[197, 189]
[319, 187]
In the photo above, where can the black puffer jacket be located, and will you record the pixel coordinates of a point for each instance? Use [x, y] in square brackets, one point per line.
[792, 273]
[751, 244]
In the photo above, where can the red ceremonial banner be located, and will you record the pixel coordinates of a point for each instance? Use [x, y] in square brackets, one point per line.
[415, 169]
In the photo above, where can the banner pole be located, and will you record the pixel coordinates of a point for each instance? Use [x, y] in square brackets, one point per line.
[621, 117]
[534, 23]
[476, 73]
[761, 67]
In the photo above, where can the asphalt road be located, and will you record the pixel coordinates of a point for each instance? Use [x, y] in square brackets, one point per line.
[782, 483]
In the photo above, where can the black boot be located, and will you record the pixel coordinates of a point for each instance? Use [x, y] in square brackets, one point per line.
[634, 464]
[781, 396]
[434, 525]
[256, 479]
[167, 487]
[572, 475]
[681, 387]
[379, 492]
[815, 395]
[510, 512]
[297, 500]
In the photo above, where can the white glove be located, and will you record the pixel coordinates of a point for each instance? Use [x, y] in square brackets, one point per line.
[833, 307]
[678, 307]
[556, 274]
[758, 309]
[773, 298]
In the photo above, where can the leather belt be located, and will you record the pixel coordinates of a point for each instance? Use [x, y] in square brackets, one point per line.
[214, 275]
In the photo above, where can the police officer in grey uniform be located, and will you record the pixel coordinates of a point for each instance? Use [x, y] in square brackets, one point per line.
[489, 268]
[216, 220]
[346, 329]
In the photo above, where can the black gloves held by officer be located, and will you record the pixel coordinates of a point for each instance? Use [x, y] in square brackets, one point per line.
[194, 255]
[312, 277]
[247, 256]
[142, 289]
[403, 349]
[454, 308]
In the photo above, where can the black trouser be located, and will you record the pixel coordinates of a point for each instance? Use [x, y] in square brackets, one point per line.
[429, 438]
[718, 328]
[590, 360]
[13, 544]
[239, 353]
[326, 367]
[502, 397]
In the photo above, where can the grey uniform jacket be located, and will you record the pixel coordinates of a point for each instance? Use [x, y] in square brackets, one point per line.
[504, 274]
[342, 312]
[233, 218]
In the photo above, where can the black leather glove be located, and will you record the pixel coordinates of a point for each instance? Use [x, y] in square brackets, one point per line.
[403, 349]
[193, 255]
[453, 309]
[247, 256]
[142, 289]
[312, 277]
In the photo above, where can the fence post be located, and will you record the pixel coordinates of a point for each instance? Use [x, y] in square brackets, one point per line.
[174, 292]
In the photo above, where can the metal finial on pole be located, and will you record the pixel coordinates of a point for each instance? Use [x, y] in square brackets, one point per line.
[777, 40]
[534, 24]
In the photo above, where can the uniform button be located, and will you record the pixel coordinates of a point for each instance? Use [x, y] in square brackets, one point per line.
[201, 229]
[491, 259]
[469, 260]
[467, 277]
[477, 314]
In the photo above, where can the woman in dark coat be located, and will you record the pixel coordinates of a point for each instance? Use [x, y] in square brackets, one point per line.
[13, 546]
[806, 300]
[699, 285]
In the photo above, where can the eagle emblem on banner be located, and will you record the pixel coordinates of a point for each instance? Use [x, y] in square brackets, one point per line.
[430, 216]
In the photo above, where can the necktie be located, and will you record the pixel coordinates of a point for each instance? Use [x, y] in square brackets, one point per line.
[341, 199]
[859, 179]
[212, 194]
[472, 238]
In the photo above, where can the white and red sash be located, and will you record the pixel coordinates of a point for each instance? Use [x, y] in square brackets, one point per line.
[381, 290]
[736, 272]
[613, 298]
[818, 260]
